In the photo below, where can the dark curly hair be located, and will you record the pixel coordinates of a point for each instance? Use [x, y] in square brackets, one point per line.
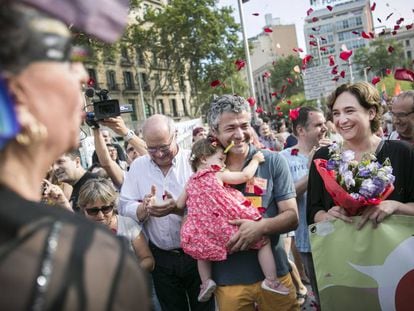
[367, 96]
[205, 147]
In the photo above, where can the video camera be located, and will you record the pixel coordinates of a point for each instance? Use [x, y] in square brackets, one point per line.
[104, 107]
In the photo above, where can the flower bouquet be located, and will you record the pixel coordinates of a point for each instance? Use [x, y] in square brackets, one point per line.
[354, 185]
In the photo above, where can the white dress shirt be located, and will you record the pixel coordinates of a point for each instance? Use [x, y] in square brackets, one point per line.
[164, 232]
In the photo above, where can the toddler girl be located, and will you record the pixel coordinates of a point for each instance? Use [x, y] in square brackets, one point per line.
[211, 203]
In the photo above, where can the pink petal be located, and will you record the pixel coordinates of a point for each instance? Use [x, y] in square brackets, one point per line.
[251, 101]
[373, 6]
[404, 74]
[342, 73]
[309, 12]
[388, 71]
[375, 80]
[315, 19]
[215, 83]
[267, 29]
[329, 7]
[256, 14]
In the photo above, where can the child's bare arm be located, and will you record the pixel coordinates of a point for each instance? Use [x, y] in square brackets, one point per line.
[234, 178]
[181, 200]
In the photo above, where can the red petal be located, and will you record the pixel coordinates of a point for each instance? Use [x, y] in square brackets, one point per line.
[329, 7]
[409, 26]
[331, 60]
[372, 35]
[312, 36]
[240, 64]
[335, 78]
[277, 108]
[400, 20]
[259, 109]
[289, 102]
[365, 35]
[246, 203]
[375, 80]
[323, 48]
[215, 83]
[390, 49]
[404, 74]
[267, 74]
[394, 33]
[309, 12]
[267, 29]
[334, 70]
[315, 19]
[289, 80]
[373, 6]
[345, 55]
[355, 32]
[280, 113]
[251, 101]
[388, 71]
[257, 190]
[306, 59]
[274, 94]
[396, 27]
[313, 43]
[256, 14]
[91, 82]
[342, 73]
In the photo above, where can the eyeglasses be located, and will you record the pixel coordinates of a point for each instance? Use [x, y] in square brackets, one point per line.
[95, 210]
[400, 115]
[163, 149]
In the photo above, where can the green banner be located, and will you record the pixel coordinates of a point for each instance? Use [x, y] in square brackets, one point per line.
[370, 269]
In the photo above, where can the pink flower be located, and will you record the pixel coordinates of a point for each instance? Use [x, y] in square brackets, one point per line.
[294, 113]
[345, 55]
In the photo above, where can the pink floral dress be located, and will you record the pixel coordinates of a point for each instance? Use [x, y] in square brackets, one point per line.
[210, 206]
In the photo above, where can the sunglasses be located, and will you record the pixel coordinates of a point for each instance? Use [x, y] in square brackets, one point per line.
[95, 210]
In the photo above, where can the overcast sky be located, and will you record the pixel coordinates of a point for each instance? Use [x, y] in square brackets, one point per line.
[294, 11]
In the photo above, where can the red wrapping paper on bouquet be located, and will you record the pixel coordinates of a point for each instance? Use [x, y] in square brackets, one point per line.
[339, 194]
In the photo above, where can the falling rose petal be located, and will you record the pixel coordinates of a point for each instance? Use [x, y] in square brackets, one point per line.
[294, 113]
[267, 29]
[345, 55]
[396, 27]
[255, 14]
[215, 83]
[382, 32]
[316, 29]
[267, 74]
[283, 89]
[91, 82]
[394, 32]
[335, 78]
[404, 74]
[240, 64]
[375, 80]
[307, 59]
[312, 36]
[342, 74]
[334, 70]
[257, 190]
[329, 7]
[372, 35]
[274, 94]
[261, 210]
[400, 20]
[251, 101]
[355, 32]
[322, 38]
[280, 114]
[309, 12]
[289, 80]
[313, 43]
[331, 60]
[323, 48]
[409, 26]
[388, 71]
[278, 108]
[289, 102]
[390, 49]
[259, 110]
[379, 20]
[389, 15]
[373, 7]
[365, 35]
[315, 19]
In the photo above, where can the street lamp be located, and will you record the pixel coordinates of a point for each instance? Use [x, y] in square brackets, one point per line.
[248, 63]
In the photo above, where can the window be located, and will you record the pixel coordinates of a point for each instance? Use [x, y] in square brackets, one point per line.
[185, 107]
[160, 106]
[92, 76]
[128, 81]
[141, 58]
[124, 55]
[407, 42]
[133, 113]
[174, 111]
[409, 56]
[144, 82]
[111, 80]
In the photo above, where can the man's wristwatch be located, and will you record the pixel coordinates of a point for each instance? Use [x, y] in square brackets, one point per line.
[128, 136]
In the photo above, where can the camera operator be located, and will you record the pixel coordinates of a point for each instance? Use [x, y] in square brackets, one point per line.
[117, 124]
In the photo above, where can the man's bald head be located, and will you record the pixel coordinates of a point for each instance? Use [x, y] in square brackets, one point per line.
[158, 124]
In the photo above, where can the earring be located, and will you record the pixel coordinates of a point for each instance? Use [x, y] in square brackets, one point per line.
[33, 134]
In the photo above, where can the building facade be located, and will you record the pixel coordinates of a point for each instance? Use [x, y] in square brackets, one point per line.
[329, 32]
[268, 47]
[140, 80]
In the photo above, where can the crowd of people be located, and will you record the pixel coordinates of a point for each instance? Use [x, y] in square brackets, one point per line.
[151, 225]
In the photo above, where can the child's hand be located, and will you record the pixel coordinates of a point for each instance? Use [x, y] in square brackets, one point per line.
[259, 157]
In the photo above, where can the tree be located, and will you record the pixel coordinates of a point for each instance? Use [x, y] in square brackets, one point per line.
[380, 56]
[190, 39]
[284, 78]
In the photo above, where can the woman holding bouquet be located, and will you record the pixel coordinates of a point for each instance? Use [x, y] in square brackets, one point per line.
[356, 110]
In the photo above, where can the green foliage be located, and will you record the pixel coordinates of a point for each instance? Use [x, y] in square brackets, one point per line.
[390, 84]
[379, 58]
[190, 38]
[282, 70]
